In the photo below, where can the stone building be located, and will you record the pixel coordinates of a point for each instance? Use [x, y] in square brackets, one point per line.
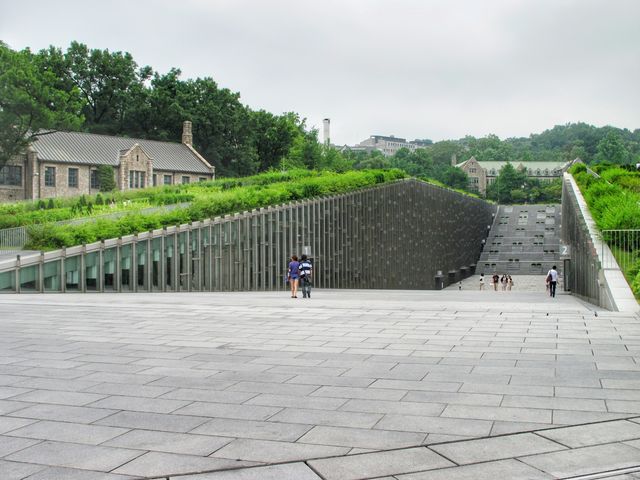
[62, 164]
[483, 174]
[387, 145]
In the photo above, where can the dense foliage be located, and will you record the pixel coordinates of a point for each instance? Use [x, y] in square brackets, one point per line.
[108, 92]
[614, 202]
[210, 199]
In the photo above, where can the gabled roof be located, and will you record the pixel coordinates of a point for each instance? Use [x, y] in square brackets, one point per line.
[93, 149]
[533, 165]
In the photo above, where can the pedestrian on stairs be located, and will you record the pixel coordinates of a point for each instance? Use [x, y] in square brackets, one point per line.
[552, 281]
[482, 281]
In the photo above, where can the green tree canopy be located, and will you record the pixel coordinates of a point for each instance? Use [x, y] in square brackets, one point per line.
[611, 149]
[31, 102]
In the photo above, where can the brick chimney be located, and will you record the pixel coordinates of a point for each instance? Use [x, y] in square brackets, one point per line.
[187, 135]
[454, 159]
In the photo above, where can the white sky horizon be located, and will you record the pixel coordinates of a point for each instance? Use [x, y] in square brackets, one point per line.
[409, 68]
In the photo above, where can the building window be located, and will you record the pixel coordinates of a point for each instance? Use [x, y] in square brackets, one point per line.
[167, 180]
[136, 179]
[202, 179]
[155, 179]
[73, 177]
[50, 176]
[185, 179]
[94, 181]
[472, 170]
[11, 175]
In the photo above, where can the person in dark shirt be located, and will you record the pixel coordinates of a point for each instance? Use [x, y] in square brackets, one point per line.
[306, 270]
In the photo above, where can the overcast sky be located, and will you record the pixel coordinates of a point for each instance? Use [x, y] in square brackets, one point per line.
[410, 68]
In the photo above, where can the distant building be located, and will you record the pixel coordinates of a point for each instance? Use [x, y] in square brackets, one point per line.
[387, 145]
[63, 164]
[483, 174]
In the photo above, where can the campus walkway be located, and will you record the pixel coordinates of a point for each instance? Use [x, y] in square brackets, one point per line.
[411, 385]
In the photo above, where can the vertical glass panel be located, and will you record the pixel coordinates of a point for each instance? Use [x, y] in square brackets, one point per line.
[91, 271]
[141, 255]
[205, 257]
[183, 267]
[72, 274]
[29, 279]
[195, 260]
[109, 269]
[126, 271]
[52, 273]
[156, 264]
[169, 259]
[8, 281]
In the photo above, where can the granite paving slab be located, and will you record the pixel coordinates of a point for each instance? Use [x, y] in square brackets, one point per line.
[496, 448]
[586, 460]
[369, 465]
[291, 471]
[87, 457]
[503, 469]
[362, 372]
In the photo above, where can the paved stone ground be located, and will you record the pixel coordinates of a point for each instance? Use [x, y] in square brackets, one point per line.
[367, 383]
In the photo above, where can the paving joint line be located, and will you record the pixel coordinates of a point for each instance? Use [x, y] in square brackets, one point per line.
[426, 446]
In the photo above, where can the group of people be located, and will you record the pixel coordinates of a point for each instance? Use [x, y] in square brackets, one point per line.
[299, 273]
[505, 281]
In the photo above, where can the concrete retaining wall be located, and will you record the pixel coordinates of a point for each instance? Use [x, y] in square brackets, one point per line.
[397, 236]
[587, 279]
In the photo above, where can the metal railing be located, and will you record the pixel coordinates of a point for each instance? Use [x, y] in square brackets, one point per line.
[625, 247]
[13, 238]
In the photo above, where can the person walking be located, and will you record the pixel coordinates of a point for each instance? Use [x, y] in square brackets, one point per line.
[482, 281]
[306, 272]
[496, 279]
[503, 282]
[509, 282]
[293, 274]
[552, 281]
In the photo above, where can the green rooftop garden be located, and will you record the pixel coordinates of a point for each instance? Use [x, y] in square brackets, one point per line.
[614, 202]
[205, 200]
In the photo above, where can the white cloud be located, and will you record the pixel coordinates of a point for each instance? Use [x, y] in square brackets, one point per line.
[425, 69]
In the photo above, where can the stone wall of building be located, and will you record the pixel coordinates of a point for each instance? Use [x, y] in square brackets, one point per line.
[134, 160]
[14, 193]
[62, 188]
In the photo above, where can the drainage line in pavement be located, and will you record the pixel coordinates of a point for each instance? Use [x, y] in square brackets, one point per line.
[606, 474]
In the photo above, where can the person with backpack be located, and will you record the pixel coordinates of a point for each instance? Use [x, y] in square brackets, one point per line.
[306, 272]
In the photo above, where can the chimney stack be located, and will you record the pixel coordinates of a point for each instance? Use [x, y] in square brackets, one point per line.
[454, 160]
[187, 135]
[326, 137]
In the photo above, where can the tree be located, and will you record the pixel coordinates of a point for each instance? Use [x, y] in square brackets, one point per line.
[455, 178]
[31, 103]
[272, 136]
[611, 149]
[306, 150]
[508, 180]
[106, 80]
[106, 178]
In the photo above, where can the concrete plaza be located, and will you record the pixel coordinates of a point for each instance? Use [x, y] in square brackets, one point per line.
[350, 384]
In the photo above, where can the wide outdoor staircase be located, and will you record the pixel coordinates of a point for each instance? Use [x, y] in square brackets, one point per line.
[523, 240]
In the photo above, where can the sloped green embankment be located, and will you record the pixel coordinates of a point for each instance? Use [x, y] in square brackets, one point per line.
[207, 200]
[614, 203]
